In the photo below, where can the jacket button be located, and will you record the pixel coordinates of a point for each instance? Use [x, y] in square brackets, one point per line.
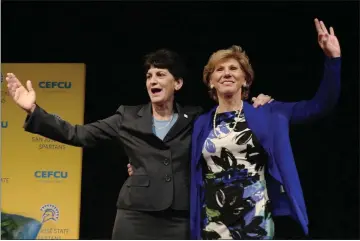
[166, 162]
[167, 178]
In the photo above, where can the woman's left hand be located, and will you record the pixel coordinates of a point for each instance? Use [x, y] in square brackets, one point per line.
[328, 42]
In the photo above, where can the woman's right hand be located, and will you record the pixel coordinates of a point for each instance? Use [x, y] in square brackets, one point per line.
[130, 170]
[25, 98]
[327, 40]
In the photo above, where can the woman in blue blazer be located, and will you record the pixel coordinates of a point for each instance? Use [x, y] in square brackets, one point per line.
[243, 171]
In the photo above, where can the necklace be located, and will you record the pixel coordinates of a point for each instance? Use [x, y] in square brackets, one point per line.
[230, 129]
[168, 123]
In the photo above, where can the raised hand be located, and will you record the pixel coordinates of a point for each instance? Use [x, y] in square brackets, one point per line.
[328, 42]
[25, 98]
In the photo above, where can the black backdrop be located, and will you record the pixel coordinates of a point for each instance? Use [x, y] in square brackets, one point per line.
[111, 39]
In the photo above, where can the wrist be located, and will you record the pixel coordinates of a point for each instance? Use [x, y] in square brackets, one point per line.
[32, 109]
[334, 54]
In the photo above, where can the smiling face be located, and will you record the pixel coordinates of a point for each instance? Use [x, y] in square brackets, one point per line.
[227, 71]
[161, 85]
[227, 78]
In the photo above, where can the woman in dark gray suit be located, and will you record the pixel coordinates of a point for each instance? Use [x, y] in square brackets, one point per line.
[154, 202]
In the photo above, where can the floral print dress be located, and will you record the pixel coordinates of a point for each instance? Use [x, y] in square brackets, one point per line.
[236, 204]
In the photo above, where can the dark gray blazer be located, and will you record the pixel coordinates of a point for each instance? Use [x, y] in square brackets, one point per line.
[161, 168]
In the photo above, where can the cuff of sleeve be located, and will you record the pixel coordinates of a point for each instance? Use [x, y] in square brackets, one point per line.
[332, 59]
[29, 120]
[333, 62]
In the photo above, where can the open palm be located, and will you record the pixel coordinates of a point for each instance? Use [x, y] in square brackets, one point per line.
[23, 97]
[328, 42]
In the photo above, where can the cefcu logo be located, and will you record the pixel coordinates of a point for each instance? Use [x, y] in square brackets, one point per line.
[51, 174]
[4, 124]
[55, 85]
[49, 212]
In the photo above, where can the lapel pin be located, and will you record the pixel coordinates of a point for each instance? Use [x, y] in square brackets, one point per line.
[185, 115]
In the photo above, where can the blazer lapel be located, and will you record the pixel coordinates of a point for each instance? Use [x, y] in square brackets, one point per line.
[200, 132]
[144, 122]
[184, 119]
[258, 123]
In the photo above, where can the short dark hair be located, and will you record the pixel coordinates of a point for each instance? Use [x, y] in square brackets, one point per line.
[166, 59]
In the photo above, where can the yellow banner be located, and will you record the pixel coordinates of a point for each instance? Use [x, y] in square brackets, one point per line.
[41, 178]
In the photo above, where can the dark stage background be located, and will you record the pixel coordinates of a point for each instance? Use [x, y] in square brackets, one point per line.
[111, 38]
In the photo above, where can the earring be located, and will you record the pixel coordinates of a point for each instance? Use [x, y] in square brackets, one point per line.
[211, 86]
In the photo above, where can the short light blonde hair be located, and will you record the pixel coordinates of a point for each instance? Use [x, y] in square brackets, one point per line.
[234, 52]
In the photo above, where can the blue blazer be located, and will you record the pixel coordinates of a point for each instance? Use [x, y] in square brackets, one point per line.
[270, 124]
